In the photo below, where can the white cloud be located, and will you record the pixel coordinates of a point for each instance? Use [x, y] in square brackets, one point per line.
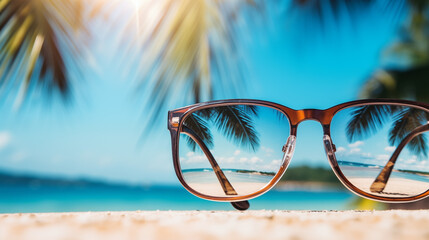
[276, 162]
[230, 159]
[390, 148]
[354, 150]
[192, 158]
[225, 159]
[237, 152]
[411, 160]
[356, 144]
[340, 149]
[267, 150]
[5, 138]
[383, 157]
[254, 160]
[413, 163]
[274, 165]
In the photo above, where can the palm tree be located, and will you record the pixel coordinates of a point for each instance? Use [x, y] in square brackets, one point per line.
[38, 43]
[408, 82]
[367, 120]
[190, 42]
[236, 123]
[192, 47]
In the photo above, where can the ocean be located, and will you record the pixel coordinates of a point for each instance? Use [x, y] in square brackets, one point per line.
[24, 198]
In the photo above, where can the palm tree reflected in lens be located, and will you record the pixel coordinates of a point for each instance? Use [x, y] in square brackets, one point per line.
[235, 122]
[367, 120]
[246, 143]
[372, 152]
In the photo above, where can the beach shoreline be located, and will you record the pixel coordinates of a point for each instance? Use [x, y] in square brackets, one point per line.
[262, 224]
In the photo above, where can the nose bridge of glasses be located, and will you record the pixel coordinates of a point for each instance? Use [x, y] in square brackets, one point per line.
[309, 114]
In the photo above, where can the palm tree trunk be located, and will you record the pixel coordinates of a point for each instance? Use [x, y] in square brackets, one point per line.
[380, 182]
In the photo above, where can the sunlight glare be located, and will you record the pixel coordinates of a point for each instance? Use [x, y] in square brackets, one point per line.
[138, 3]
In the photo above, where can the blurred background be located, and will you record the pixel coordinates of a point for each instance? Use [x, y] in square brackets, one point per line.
[85, 87]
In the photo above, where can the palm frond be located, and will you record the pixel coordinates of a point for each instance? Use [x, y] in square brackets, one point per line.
[36, 40]
[236, 123]
[414, 45]
[366, 120]
[408, 78]
[320, 13]
[319, 20]
[178, 48]
[199, 126]
[191, 48]
[281, 117]
[206, 113]
[250, 109]
[408, 83]
[406, 121]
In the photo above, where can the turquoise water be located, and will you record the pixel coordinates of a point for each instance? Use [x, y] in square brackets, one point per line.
[28, 198]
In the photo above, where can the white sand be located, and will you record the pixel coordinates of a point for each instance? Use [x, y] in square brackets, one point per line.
[295, 225]
[406, 187]
[215, 189]
[243, 183]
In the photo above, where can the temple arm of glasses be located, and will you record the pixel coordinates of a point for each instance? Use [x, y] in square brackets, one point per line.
[380, 182]
[223, 180]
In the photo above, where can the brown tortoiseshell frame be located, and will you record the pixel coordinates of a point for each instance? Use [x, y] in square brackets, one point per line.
[324, 117]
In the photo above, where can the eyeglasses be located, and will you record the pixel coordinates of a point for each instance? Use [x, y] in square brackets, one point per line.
[235, 150]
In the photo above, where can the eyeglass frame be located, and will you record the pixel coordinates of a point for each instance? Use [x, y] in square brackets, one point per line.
[324, 117]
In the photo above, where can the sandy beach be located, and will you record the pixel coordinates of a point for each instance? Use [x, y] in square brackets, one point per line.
[393, 224]
[395, 187]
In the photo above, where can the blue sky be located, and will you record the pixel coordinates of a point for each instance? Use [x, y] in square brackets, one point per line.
[100, 134]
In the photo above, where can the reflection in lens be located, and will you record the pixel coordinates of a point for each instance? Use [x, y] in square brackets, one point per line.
[244, 149]
[366, 138]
